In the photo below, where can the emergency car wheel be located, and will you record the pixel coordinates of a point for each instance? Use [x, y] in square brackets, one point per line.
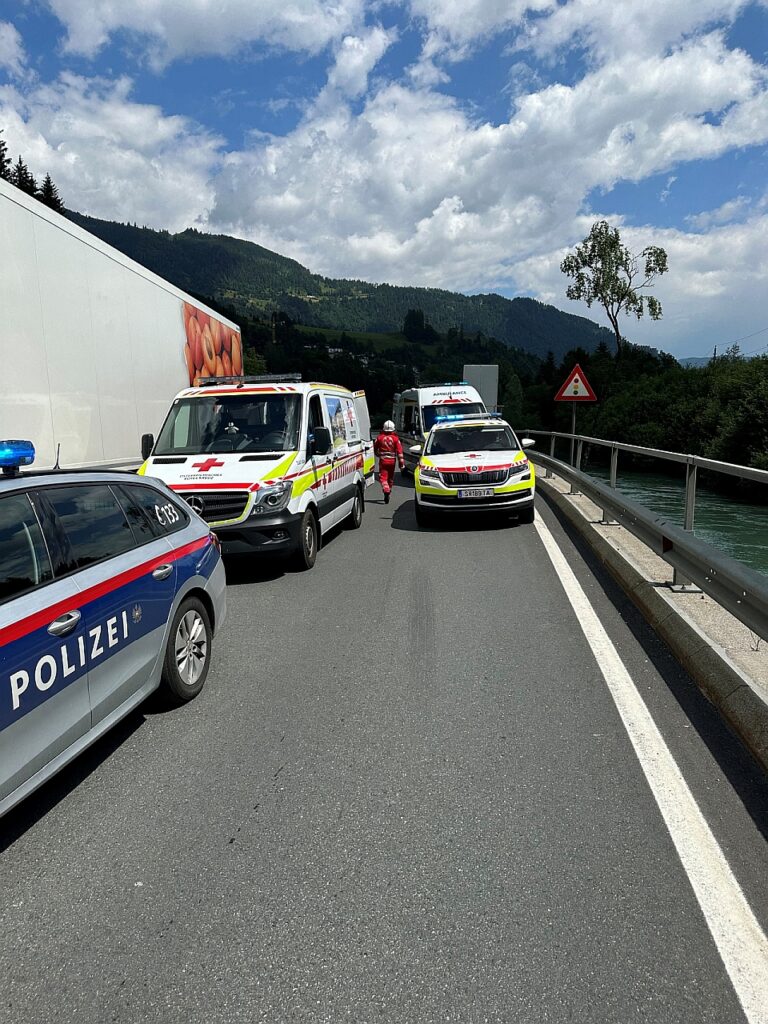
[355, 518]
[306, 555]
[527, 516]
[188, 654]
[423, 517]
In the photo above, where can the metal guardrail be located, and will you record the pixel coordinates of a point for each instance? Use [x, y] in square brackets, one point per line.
[692, 464]
[740, 590]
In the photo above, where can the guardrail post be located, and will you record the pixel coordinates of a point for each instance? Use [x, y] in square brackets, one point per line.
[614, 473]
[579, 449]
[689, 514]
[548, 472]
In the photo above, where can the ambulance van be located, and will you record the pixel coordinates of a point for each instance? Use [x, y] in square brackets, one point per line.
[270, 463]
[415, 411]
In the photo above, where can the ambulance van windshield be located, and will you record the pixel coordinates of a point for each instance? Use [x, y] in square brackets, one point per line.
[231, 423]
[431, 412]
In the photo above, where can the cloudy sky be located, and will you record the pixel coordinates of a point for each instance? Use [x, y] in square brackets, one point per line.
[465, 144]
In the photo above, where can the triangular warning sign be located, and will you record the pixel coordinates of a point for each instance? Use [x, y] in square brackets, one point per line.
[576, 388]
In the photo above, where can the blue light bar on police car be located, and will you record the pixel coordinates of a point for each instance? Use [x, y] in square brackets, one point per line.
[16, 453]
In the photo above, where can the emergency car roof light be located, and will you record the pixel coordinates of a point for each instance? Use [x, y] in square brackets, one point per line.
[263, 378]
[468, 416]
[14, 454]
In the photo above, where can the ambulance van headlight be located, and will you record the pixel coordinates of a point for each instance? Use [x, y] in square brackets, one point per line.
[14, 454]
[273, 497]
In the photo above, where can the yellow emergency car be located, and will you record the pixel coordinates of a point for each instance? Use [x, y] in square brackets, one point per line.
[474, 463]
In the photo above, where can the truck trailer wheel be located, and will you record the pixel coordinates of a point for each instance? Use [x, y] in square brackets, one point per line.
[305, 555]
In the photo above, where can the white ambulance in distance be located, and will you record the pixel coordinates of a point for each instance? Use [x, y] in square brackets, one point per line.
[270, 463]
[416, 410]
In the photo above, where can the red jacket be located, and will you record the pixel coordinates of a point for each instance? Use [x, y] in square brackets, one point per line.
[388, 447]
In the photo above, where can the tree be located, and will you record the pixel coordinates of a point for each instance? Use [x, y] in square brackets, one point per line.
[512, 402]
[5, 160]
[605, 271]
[22, 178]
[49, 195]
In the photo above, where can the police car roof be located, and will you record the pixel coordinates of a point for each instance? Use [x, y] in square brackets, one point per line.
[49, 476]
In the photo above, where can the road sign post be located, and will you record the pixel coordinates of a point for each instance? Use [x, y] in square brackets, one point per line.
[576, 388]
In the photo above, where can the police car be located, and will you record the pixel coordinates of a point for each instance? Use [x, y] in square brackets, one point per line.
[109, 587]
[474, 463]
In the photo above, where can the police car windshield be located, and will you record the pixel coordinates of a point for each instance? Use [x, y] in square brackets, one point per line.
[431, 412]
[493, 437]
[231, 423]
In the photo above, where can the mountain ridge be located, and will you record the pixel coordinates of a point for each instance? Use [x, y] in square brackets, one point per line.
[255, 281]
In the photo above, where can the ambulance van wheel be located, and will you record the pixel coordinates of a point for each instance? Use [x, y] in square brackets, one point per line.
[355, 517]
[527, 516]
[188, 652]
[306, 554]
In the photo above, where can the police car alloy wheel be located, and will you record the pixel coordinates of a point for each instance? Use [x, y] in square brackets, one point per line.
[188, 654]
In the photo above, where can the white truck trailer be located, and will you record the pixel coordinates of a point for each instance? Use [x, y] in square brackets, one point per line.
[93, 346]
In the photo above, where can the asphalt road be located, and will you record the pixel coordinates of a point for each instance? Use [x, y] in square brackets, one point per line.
[404, 795]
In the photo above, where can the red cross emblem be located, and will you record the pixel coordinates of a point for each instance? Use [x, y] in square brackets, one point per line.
[207, 466]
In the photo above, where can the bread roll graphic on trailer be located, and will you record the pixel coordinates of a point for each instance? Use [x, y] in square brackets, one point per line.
[94, 346]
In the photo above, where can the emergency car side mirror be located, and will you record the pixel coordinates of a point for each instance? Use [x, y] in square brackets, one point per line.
[528, 442]
[147, 444]
[321, 441]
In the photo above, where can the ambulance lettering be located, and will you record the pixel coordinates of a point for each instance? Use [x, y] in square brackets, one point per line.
[74, 657]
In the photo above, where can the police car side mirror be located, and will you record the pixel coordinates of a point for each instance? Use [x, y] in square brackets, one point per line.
[147, 444]
[321, 441]
[528, 442]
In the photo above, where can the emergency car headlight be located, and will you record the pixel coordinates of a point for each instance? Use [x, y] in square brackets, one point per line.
[272, 497]
[427, 473]
[518, 467]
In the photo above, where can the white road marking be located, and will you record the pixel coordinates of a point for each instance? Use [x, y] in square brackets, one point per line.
[740, 941]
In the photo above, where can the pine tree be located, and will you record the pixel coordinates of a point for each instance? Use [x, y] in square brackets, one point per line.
[5, 160]
[49, 195]
[22, 178]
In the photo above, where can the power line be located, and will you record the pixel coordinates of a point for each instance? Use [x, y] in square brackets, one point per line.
[746, 337]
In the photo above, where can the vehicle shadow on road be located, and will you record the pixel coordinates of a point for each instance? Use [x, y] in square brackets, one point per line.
[243, 570]
[404, 518]
[35, 807]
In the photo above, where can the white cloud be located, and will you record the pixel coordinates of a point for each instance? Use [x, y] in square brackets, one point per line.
[109, 156]
[724, 214]
[610, 30]
[453, 24]
[356, 57]
[178, 28]
[12, 56]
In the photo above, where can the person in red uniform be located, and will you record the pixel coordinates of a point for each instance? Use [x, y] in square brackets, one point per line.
[389, 450]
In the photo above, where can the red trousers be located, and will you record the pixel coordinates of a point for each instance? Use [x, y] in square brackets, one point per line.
[386, 474]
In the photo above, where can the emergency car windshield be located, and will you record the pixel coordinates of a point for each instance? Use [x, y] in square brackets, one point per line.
[491, 437]
[431, 412]
[231, 423]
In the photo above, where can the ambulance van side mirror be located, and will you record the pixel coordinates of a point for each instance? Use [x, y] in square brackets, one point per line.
[147, 444]
[321, 441]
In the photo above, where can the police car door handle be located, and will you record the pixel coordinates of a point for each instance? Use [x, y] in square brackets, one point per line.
[64, 624]
[162, 572]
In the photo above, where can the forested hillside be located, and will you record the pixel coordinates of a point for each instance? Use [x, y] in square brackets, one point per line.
[256, 282]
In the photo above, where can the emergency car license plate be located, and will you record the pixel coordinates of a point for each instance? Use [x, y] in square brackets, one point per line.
[476, 492]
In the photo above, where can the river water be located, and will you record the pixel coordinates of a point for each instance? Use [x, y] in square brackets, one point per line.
[737, 528]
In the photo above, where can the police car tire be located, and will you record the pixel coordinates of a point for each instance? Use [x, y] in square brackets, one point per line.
[355, 517]
[176, 688]
[527, 516]
[306, 554]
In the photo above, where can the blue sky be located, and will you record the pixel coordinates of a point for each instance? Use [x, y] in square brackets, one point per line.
[465, 144]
